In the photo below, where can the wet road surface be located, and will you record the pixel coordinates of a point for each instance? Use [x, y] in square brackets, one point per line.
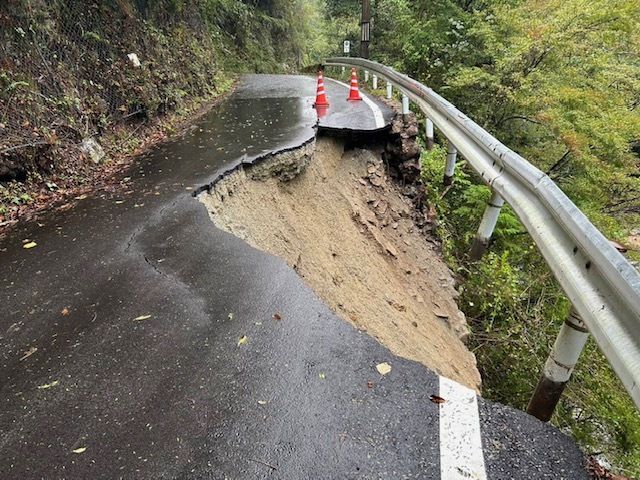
[139, 341]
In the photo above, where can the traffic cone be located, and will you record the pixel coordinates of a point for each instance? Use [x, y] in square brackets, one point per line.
[321, 96]
[354, 91]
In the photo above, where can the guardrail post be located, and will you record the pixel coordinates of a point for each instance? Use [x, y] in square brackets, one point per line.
[389, 90]
[450, 167]
[558, 367]
[366, 76]
[375, 82]
[430, 136]
[487, 226]
[405, 105]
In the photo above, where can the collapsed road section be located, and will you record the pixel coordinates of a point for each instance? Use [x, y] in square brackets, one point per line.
[336, 217]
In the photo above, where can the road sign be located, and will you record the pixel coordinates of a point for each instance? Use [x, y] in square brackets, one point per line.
[347, 46]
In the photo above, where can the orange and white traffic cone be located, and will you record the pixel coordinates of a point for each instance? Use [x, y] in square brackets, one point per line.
[354, 91]
[321, 96]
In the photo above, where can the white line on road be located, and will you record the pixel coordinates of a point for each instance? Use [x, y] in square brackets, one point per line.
[377, 113]
[461, 456]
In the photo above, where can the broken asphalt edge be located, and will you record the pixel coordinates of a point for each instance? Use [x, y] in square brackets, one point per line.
[245, 161]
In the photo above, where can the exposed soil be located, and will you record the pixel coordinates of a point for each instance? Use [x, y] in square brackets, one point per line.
[344, 226]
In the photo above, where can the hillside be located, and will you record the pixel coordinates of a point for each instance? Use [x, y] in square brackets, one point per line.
[79, 78]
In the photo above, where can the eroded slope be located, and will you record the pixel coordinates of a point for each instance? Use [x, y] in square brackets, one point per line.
[337, 219]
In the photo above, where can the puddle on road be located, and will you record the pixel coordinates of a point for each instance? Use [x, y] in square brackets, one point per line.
[348, 232]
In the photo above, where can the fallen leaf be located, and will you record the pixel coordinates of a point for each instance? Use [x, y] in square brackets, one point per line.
[48, 385]
[617, 246]
[262, 402]
[29, 245]
[437, 399]
[29, 352]
[277, 316]
[383, 368]
[80, 450]
[81, 197]
[322, 376]
[65, 312]
[242, 340]
[143, 317]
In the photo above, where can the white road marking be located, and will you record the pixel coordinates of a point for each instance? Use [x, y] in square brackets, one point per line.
[461, 456]
[377, 113]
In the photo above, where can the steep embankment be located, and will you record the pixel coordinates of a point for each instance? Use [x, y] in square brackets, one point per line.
[83, 83]
[346, 228]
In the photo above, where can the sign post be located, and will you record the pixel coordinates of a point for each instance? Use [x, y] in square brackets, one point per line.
[347, 50]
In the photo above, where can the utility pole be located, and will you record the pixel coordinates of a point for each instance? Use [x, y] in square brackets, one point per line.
[366, 28]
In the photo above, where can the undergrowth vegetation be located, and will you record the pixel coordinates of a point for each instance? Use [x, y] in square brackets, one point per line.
[516, 308]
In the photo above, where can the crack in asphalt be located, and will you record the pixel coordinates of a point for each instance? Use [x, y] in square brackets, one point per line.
[158, 271]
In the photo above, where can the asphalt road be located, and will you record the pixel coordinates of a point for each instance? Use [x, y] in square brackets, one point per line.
[138, 341]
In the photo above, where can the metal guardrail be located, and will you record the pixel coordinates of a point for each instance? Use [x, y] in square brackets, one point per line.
[602, 285]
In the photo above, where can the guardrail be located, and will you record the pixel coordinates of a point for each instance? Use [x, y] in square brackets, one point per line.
[601, 284]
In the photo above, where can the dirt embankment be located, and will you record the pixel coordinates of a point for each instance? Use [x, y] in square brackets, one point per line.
[344, 226]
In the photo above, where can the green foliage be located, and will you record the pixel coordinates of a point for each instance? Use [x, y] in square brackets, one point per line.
[342, 22]
[557, 81]
[12, 195]
[349, 9]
